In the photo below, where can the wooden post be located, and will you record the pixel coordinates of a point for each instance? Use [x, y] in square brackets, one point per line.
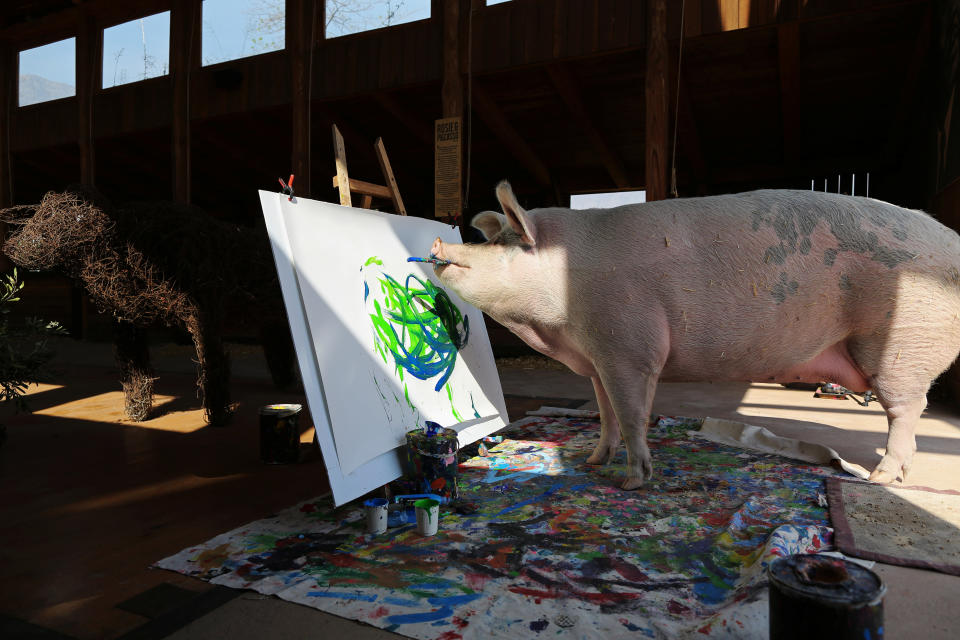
[656, 100]
[452, 99]
[8, 91]
[184, 49]
[340, 160]
[89, 52]
[301, 31]
[387, 170]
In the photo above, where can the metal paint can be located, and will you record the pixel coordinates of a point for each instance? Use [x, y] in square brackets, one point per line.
[815, 596]
[279, 434]
[431, 462]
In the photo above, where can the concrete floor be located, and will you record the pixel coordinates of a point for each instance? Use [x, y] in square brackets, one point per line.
[88, 500]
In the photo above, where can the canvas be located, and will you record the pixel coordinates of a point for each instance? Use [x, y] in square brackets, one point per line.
[382, 347]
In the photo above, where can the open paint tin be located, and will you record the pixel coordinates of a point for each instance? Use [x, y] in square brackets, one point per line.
[279, 433]
[815, 596]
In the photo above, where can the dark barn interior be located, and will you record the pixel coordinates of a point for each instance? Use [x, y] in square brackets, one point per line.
[680, 98]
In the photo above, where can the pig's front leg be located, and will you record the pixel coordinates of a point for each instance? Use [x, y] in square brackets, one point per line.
[631, 395]
[609, 427]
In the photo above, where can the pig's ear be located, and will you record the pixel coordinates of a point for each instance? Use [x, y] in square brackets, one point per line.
[516, 217]
[489, 223]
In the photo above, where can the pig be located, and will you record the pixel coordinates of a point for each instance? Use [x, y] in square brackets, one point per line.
[766, 286]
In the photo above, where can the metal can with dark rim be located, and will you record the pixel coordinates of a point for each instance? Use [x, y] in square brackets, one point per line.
[279, 434]
[815, 596]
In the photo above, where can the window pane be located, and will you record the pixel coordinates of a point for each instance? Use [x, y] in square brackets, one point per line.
[606, 200]
[48, 72]
[136, 50]
[239, 28]
[353, 16]
[490, 2]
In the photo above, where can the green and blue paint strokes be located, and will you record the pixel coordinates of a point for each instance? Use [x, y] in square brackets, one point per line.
[416, 327]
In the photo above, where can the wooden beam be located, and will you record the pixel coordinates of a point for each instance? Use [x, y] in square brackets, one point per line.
[342, 178]
[509, 137]
[184, 50]
[657, 100]
[8, 92]
[788, 47]
[566, 86]
[411, 122]
[301, 24]
[88, 73]
[366, 189]
[452, 89]
[387, 170]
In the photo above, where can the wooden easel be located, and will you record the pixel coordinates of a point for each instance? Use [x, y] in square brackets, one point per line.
[347, 185]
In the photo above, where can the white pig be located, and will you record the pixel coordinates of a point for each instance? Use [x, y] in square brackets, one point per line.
[768, 286]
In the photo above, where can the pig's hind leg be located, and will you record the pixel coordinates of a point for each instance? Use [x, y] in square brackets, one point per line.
[609, 427]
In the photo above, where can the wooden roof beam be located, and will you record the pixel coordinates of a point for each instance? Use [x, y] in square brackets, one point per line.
[566, 86]
[496, 121]
[788, 47]
[411, 121]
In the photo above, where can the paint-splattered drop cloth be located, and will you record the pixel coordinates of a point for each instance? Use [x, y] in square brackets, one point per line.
[555, 548]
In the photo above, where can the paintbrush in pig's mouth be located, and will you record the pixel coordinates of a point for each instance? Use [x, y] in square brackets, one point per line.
[432, 259]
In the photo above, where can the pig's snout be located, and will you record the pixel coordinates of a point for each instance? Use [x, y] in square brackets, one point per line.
[436, 248]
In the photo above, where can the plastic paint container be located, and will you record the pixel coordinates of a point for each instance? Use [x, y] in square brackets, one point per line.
[431, 462]
[279, 435]
[376, 511]
[823, 597]
[428, 516]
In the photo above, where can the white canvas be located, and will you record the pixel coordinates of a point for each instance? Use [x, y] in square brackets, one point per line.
[367, 326]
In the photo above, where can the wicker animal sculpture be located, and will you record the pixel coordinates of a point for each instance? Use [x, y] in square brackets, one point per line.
[158, 262]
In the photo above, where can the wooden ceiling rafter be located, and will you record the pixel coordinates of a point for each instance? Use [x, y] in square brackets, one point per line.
[495, 120]
[565, 84]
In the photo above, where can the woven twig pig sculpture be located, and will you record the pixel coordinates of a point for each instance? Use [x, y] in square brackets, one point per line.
[766, 286]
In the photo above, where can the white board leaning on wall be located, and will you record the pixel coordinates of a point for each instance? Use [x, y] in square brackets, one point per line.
[382, 348]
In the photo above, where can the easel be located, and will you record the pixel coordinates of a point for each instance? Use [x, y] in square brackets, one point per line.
[347, 185]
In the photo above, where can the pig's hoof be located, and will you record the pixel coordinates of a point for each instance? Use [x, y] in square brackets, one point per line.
[887, 471]
[631, 483]
[602, 455]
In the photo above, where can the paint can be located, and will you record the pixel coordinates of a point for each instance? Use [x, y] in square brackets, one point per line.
[279, 435]
[431, 461]
[428, 516]
[815, 596]
[376, 510]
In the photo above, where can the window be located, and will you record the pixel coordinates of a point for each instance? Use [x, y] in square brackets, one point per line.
[240, 28]
[136, 50]
[353, 16]
[606, 200]
[490, 2]
[48, 72]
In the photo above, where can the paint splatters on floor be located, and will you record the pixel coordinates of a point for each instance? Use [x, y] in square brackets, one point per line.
[555, 547]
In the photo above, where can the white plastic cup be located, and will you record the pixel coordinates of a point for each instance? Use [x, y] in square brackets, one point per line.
[376, 515]
[428, 516]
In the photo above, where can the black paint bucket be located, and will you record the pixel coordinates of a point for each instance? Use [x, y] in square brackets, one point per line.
[279, 434]
[822, 597]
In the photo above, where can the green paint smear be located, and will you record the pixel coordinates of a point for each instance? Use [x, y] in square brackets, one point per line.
[453, 408]
[373, 260]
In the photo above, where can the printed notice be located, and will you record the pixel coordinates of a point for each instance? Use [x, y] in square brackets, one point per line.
[447, 137]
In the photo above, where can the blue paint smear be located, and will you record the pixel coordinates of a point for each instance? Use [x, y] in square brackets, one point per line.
[708, 593]
[342, 595]
[402, 602]
[434, 586]
[546, 494]
[454, 601]
[427, 616]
